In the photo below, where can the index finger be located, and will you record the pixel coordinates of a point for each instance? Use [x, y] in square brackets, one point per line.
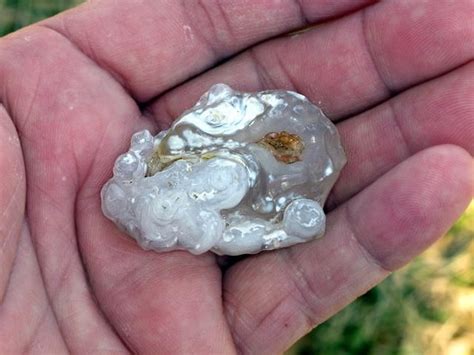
[151, 46]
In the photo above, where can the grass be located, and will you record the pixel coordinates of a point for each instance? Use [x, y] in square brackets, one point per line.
[15, 14]
[425, 308]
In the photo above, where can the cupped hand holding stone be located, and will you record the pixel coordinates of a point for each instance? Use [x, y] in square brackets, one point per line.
[396, 78]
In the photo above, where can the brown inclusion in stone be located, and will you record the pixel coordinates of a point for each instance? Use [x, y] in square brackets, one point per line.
[285, 147]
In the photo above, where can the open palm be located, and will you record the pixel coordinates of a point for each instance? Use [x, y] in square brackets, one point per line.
[394, 75]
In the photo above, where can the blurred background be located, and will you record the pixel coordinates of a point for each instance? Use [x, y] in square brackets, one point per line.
[425, 308]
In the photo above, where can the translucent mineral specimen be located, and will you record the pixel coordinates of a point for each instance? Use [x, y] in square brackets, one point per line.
[237, 173]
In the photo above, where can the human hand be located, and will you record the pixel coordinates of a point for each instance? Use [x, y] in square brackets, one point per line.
[396, 76]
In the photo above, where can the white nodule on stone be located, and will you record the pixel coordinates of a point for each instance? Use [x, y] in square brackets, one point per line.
[304, 218]
[209, 183]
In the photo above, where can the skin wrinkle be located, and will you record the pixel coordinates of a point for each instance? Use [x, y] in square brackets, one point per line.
[306, 296]
[79, 190]
[52, 294]
[21, 127]
[263, 76]
[286, 74]
[105, 71]
[29, 345]
[7, 238]
[125, 282]
[237, 314]
[302, 12]
[278, 305]
[47, 304]
[389, 89]
[88, 170]
[304, 286]
[20, 200]
[394, 116]
[234, 316]
[59, 288]
[354, 234]
[10, 202]
[86, 192]
[63, 32]
[337, 196]
[213, 43]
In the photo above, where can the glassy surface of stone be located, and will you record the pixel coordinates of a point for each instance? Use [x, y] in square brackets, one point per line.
[238, 173]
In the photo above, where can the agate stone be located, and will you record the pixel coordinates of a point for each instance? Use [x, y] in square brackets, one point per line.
[238, 173]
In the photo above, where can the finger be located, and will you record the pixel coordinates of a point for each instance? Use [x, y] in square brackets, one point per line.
[12, 195]
[151, 45]
[349, 64]
[275, 298]
[440, 111]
